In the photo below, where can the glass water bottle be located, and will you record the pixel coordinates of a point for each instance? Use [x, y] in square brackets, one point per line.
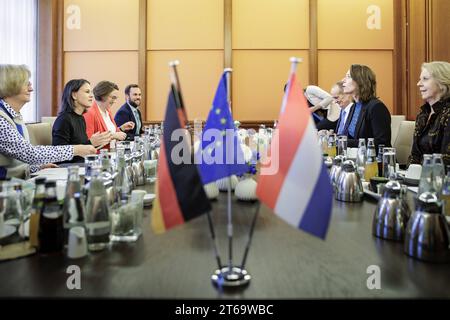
[98, 223]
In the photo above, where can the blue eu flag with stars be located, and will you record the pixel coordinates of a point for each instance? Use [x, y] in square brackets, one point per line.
[220, 154]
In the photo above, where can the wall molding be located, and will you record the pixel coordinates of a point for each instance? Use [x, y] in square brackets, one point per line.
[313, 44]
[142, 55]
[50, 57]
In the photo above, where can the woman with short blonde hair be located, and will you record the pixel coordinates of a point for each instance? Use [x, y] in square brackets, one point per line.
[432, 132]
[17, 155]
[12, 78]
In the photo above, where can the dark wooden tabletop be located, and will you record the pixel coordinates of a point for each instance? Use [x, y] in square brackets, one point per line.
[284, 263]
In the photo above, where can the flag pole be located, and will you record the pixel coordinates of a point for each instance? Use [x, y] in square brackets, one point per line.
[250, 236]
[176, 88]
[176, 84]
[179, 100]
[230, 276]
[294, 62]
[229, 212]
[213, 238]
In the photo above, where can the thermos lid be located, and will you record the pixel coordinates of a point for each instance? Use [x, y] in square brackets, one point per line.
[429, 202]
[348, 166]
[392, 189]
[338, 160]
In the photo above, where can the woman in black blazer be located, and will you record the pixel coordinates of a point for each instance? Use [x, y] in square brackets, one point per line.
[432, 131]
[369, 118]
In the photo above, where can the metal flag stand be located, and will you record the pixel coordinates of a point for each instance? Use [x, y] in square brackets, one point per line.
[237, 276]
[230, 276]
[179, 103]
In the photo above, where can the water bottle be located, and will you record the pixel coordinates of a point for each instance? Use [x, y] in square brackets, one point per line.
[51, 229]
[332, 145]
[371, 167]
[73, 207]
[122, 182]
[90, 161]
[98, 224]
[36, 209]
[342, 146]
[380, 159]
[13, 211]
[361, 157]
[105, 162]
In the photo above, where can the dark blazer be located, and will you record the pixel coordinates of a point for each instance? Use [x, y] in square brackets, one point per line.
[125, 114]
[433, 135]
[347, 121]
[374, 121]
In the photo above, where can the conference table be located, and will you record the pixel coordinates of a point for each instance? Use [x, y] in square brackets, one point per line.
[284, 263]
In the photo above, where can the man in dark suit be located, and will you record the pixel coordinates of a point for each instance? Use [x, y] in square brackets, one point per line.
[129, 111]
[344, 101]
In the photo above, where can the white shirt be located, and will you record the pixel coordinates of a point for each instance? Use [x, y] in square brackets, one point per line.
[318, 96]
[109, 124]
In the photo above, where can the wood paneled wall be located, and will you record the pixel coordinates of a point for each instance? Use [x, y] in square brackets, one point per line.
[427, 32]
[134, 40]
[440, 30]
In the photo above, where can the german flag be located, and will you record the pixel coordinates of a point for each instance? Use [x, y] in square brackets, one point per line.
[179, 191]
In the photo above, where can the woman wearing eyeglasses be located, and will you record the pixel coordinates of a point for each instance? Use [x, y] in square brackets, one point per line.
[17, 155]
[99, 118]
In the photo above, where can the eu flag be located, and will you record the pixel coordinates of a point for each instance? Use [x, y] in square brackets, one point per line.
[220, 154]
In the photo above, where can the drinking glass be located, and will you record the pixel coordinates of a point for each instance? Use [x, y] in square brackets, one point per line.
[389, 161]
[438, 172]
[342, 146]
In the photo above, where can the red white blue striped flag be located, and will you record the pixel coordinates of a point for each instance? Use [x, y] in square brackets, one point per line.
[299, 191]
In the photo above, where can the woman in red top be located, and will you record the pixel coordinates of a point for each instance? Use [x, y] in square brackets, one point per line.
[99, 118]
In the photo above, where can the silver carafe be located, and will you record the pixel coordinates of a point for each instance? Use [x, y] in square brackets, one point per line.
[348, 186]
[392, 213]
[427, 234]
[336, 169]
